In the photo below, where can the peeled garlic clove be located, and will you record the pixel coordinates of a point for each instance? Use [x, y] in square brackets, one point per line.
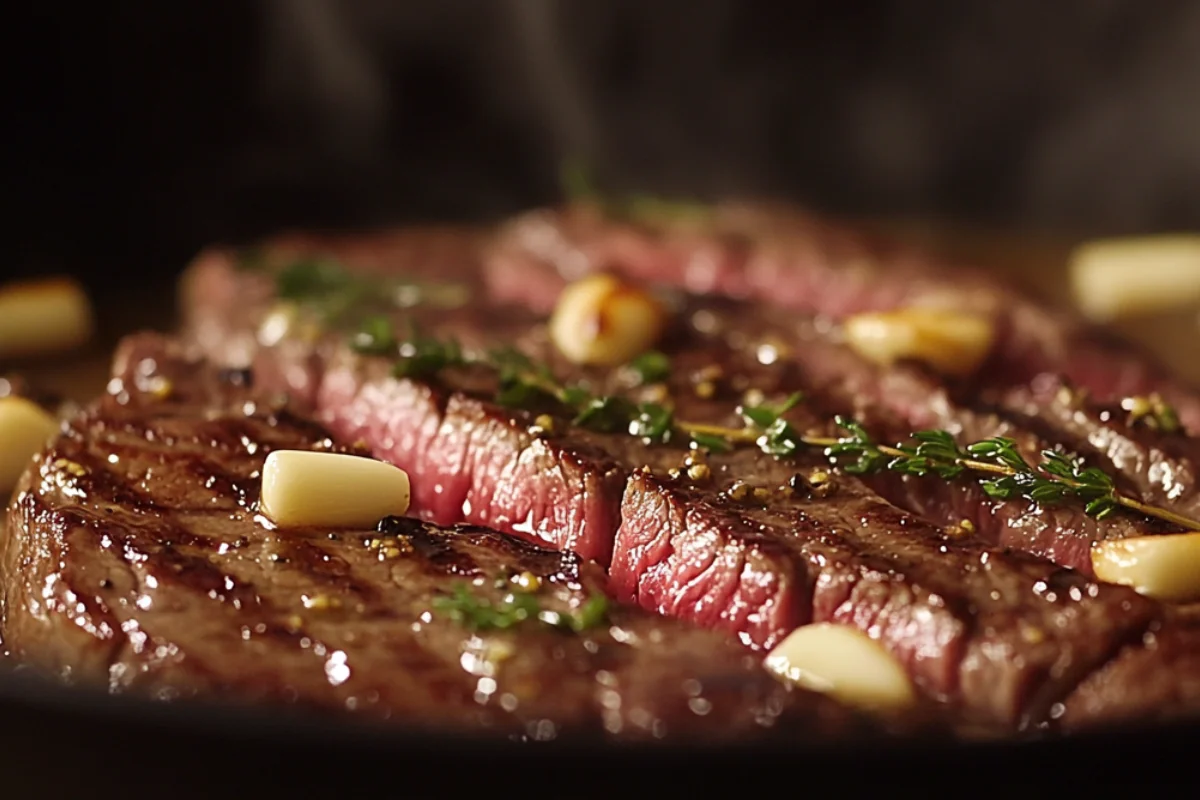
[845, 663]
[951, 342]
[1115, 278]
[305, 488]
[1162, 567]
[24, 430]
[601, 321]
[44, 316]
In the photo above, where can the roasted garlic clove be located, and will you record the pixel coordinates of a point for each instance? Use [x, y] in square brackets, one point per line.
[1163, 567]
[601, 321]
[951, 342]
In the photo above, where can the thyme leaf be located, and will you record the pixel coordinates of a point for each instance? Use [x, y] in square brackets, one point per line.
[711, 442]
[653, 423]
[608, 414]
[1153, 412]
[425, 357]
[376, 336]
[476, 613]
[651, 367]
[312, 279]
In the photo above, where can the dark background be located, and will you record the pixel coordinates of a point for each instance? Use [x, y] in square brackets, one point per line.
[145, 130]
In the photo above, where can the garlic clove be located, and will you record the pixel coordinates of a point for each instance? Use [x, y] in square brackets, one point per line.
[845, 663]
[305, 488]
[1116, 278]
[1163, 567]
[44, 316]
[951, 342]
[24, 430]
[599, 320]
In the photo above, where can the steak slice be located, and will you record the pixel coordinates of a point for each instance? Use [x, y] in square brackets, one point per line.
[134, 558]
[798, 261]
[1004, 637]
[1154, 467]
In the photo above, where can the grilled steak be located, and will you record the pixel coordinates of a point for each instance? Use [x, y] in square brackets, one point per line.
[1005, 637]
[134, 559]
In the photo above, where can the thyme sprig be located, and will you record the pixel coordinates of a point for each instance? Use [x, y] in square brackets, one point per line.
[1000, 468]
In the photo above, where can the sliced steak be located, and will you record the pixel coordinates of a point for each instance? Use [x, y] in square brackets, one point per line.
[134, 559]
[801, 262]
[1003, 636]
[893, 402]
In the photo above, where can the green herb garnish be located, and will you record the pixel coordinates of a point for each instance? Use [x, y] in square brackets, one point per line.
[375, 336]
[651, 367]
[312, 280]
[424, 357]
[1152, 412]
[712, 443]
[653, 422]
[593, 613]
[344, 299]
[480, 614]
[608, 414]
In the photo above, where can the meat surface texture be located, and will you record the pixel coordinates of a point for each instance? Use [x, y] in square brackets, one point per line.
[1007, 626]
[135, 559]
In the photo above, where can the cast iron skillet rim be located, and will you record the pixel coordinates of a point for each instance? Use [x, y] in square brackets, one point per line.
[298, 728]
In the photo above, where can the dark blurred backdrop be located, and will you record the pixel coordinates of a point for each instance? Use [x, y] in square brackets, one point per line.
[144, 130]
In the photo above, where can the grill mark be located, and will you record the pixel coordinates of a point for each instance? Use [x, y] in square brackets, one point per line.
[233, 436]
[195, 574]
[439, 553]
[97, 481]
[1047, 700]
[137, 538]
[221, 482]
[330, 570]
[94, 606]
[287, 419]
